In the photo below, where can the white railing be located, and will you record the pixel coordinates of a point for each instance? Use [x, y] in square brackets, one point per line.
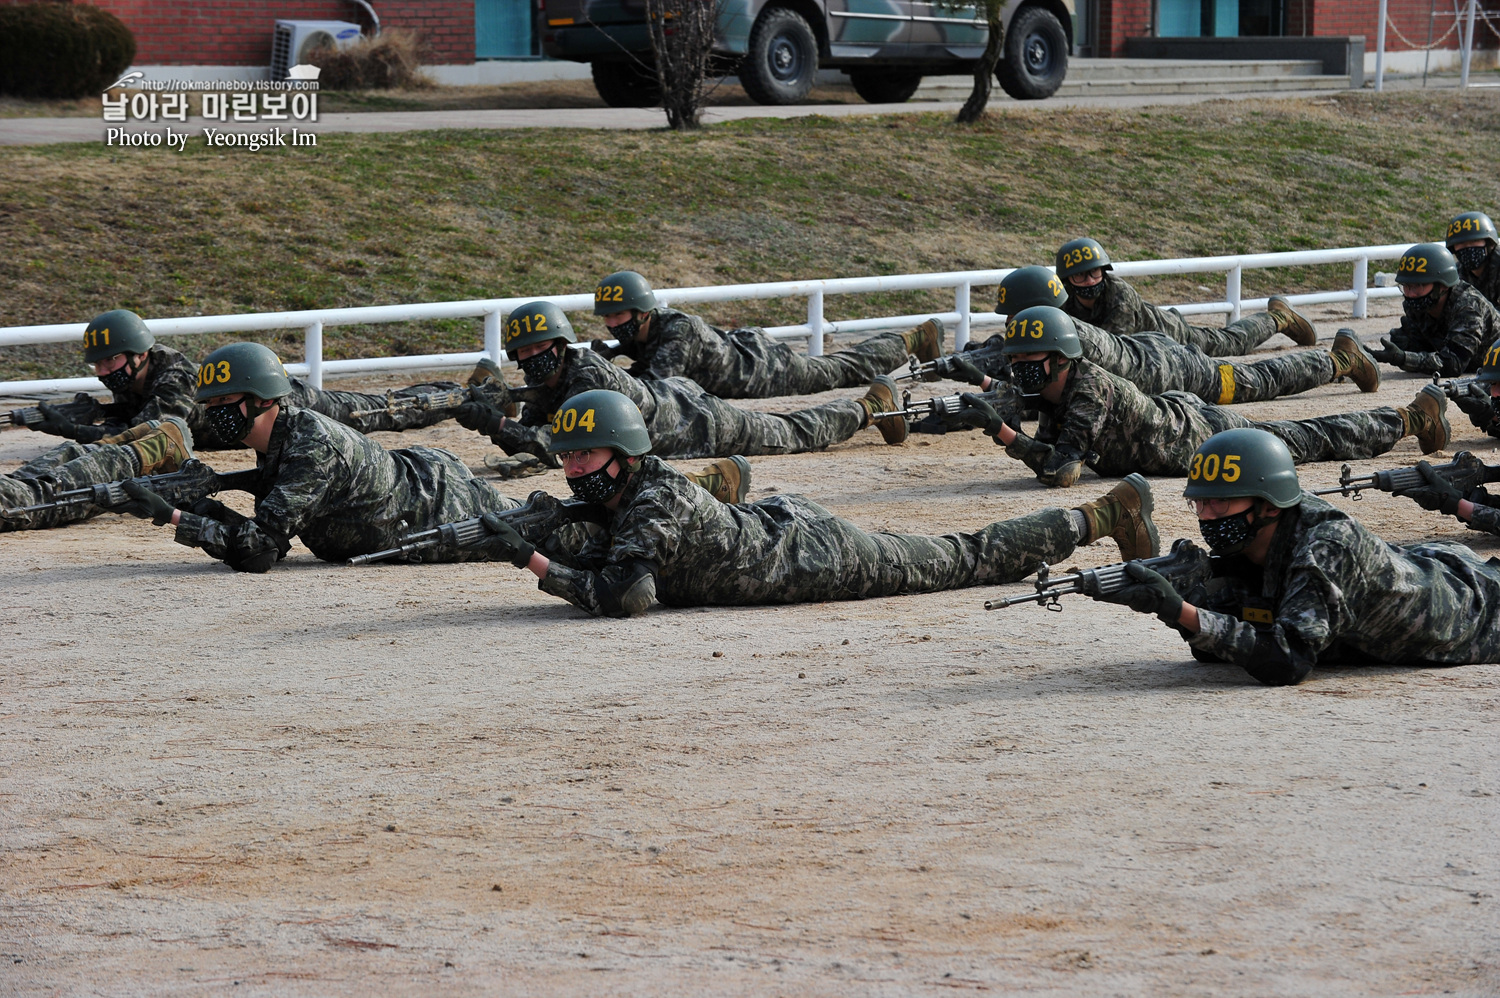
[962, 320]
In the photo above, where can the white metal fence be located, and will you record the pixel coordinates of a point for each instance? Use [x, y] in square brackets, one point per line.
[962, 319]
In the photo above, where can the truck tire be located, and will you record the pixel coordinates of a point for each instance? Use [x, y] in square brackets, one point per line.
[625, 84]
[782, 60]
[885, 86]
[1036, 55]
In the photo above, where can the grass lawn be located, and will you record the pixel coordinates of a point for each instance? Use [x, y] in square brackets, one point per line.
[375, 219]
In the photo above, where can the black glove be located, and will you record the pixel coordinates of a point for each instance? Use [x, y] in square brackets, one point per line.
[54, 422]
[506, 543]
[1149, 593]
[88, 434]
[1477, 407]
[251, 549]
[980, 413]
[480, 417]
[603, 348]
[145, 503]
[1389, 353]
[1439, 495]
[959, 369]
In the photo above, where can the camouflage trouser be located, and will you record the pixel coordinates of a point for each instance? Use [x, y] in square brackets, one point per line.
[885, 564]
[71, 466]
[1343, 437]
[339, 405]
[1156, 363]
[743, 431]
[1234, 340]
[776, 369]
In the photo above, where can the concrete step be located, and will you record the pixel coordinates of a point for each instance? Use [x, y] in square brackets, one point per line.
[1196, 69]
[958, 87]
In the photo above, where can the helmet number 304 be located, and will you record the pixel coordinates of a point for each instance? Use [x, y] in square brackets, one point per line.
[569, 419]
[1206, 467]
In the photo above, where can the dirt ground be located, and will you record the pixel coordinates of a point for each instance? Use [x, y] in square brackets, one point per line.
[413, 779]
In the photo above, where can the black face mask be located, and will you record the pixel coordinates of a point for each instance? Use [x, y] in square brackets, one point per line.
[1029, 376]
[1087, 295]
[228, 422]
[1472, 258]
[627, 331]
[119, 379]
[541, 366]
[1416, 308]
[1231, 534]
[599, 485]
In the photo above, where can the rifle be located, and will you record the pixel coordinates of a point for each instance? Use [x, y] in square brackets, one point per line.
[945, 408]
[942, 367]
[1465, 471]
[541, 515]
[189, 483]
[438, 401]
[1454, 388]
[1184, 566]
[83, 409]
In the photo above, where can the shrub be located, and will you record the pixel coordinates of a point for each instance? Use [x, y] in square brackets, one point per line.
[389, 61]
[61, 49]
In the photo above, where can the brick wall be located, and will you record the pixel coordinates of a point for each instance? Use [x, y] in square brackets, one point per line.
[1119, 20]
[238, 32]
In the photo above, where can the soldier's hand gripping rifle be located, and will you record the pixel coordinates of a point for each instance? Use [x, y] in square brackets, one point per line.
[1184, 566]
[953, 410]
[1465, 472]
[496, 395]
[540, 516]
[958, 366]
[183, 487]
[83, 409]
[1455, 388]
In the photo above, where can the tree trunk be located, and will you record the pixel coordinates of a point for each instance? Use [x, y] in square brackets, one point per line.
[682, 34]
[984, 69]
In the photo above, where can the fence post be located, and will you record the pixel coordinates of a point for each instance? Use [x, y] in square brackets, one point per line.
[1468, 53]
[815, 324]
[1361, 285]
[1380, 48]
[492, 349]
[1232, 291]
[312, 350]
[961, 306]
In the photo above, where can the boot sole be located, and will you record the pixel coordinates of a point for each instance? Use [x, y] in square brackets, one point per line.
[1148, 505]
[1364, 352]
[899, 427]
[744, 489]
[1297, 336]
[1436, 393]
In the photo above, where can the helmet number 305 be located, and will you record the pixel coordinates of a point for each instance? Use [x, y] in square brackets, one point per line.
[1206, 468]
[569, 419]
[208, 374]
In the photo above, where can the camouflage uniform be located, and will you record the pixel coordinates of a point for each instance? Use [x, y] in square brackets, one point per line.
[70, 466]
[338, 405]
[343, 494]
[1453, 342]
[1156, 363]
[1488, 281]
[1115, 428]
[748, 364]
[683, 419]
[1332, 591]
[785, 549]
[1120, 310]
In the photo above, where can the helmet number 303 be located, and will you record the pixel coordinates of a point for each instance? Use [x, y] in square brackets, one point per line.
[1207, 468]
[209, 374]
[568, 419]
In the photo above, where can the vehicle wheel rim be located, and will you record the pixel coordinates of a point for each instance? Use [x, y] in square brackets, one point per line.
[1038, 55]
[785, 59]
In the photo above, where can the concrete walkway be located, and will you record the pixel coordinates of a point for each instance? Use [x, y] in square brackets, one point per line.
[43, 131]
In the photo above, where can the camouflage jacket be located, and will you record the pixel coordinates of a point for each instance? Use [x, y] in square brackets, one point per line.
[1115, 428]
[171, 384]
[702, 552]
[1452, 342]
[678, 423]
[1332, 590]
[1487, 281]
[343, 494]
[682, 345]
[1486, 511]
[1121, 311]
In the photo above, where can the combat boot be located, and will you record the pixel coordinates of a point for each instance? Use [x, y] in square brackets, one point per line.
[882, 398]
[1426, 419]
[135, 432]
[164, 449]
[1351, 360]
[485, 370]
[1124, 513]
[727, 479]
[925, 342]
[1291, 322]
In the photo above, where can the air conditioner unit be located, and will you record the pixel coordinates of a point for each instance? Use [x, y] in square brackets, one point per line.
[293, 41]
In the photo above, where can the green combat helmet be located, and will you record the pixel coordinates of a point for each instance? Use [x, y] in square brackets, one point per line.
[1028, 286]
[115, 332]
[1243, 463]
[1079, 256]
[536, 322]
[248, 368]
[1489, 369]
[599, 418]
[622, 291]
[1427, 263]
[1469, 226]
[1042, 329]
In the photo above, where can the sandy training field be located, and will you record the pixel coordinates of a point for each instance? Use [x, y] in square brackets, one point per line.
[436, 779]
